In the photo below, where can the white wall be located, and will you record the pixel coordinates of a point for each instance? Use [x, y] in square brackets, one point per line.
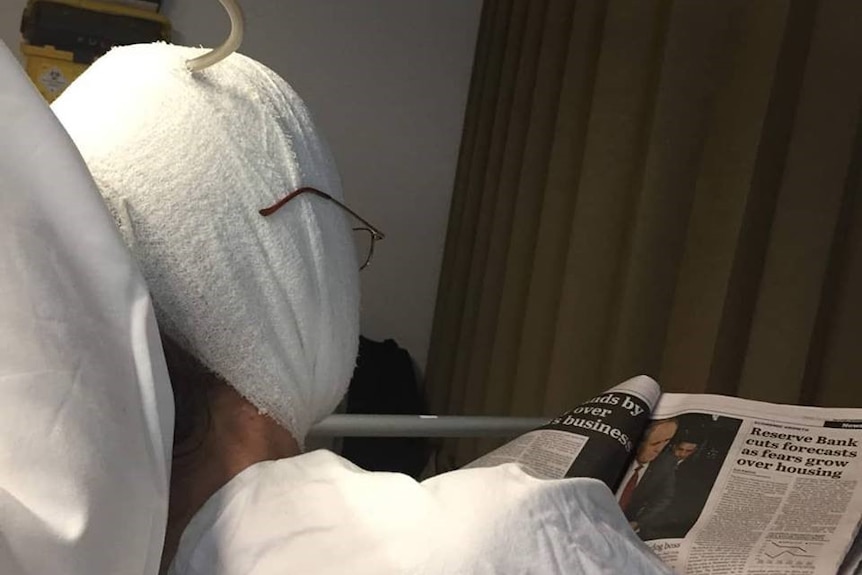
[10, 19]
[387, 82]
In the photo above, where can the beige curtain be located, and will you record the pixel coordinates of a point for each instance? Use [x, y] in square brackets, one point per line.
[660, 187]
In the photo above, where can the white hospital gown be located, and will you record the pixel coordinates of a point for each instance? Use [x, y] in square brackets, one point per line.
[319, 514]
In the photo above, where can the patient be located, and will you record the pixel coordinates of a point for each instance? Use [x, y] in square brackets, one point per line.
[259, 318]
[217, 434]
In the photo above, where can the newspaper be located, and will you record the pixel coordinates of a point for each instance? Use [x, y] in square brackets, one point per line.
[595, 439]
[715, 485]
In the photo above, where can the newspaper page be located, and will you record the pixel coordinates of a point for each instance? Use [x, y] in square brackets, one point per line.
[595, 439]
[730, 486]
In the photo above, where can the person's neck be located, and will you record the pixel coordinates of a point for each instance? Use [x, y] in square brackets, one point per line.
[238, 436]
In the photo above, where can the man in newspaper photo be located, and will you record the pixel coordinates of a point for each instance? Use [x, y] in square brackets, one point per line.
[648, 486]
[687, 500]
[683, 448]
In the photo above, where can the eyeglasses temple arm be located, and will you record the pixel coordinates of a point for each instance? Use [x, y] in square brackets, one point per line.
[378, 235]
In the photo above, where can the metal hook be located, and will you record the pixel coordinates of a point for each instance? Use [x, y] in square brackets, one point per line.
[237, 25]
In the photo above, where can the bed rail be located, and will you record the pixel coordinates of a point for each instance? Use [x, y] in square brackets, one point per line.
[355, 425]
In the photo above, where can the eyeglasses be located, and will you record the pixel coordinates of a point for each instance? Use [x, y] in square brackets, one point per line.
[369, 235]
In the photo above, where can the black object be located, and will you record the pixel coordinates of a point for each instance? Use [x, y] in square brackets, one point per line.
[384, 383]
[88, 34]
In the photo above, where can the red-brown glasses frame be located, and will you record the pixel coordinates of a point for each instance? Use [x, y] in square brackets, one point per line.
[375, 233]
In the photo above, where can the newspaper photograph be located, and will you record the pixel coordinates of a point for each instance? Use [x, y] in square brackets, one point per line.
[673, 472]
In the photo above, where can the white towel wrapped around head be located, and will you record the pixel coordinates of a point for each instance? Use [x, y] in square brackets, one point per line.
[185, 161]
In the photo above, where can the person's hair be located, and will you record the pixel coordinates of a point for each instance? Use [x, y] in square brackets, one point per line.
[192, 384]
[687, 437]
